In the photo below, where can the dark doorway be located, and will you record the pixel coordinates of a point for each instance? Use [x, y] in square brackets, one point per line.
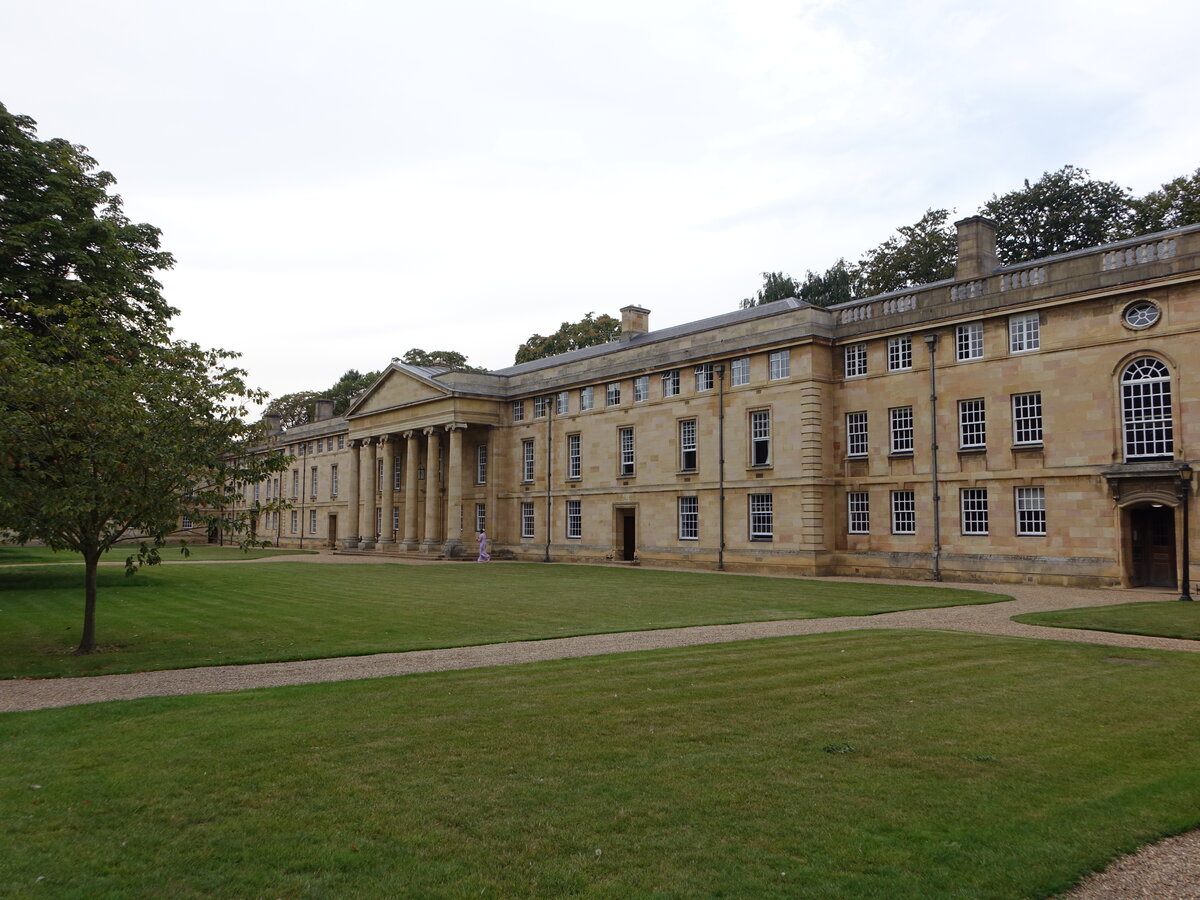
[628, 532]
[1152, 533]
[332, 530]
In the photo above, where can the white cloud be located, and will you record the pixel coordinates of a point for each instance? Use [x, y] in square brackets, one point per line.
[340, 184]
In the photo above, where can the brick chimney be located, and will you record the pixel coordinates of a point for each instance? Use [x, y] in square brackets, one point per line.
[976, 248]
[635, 320]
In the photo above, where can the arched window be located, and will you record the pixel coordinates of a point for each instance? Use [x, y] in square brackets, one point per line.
[1146, 408]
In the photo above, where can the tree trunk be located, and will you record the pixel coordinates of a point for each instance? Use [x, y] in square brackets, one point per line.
[87, 643]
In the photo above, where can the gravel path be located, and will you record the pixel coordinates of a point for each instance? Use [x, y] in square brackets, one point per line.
[1168, 870]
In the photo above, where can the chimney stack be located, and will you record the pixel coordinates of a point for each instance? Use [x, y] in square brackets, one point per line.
[323, 411]
[976, 248]
[635, 320]
[271, 421]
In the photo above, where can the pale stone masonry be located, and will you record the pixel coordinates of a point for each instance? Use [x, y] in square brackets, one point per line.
[1058, 412]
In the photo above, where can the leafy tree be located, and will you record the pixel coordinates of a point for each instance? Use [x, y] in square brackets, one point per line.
[775, 286]
[293, 409]
[917, 254]
[112, 438]
[106, 424]
[835, 285]
[587, 332]
[1061, 211]
[438, 359]
[1175, 204]
[65, 239]
[345, 389]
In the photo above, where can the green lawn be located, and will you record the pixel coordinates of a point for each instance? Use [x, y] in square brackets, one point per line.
[11, 554]
[864, 765]
[182, 615]
[1168, 618]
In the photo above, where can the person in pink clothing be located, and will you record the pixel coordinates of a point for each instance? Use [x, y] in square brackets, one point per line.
[484, 556]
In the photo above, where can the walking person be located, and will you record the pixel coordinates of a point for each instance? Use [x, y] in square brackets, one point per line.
[484, 556]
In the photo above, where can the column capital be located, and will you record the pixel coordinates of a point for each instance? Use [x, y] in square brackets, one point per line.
[428, 431]
[408, 435]
[456, 426]
[384, 439]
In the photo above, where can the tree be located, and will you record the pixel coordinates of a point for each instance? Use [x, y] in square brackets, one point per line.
[1175, 204]
[1061, 211]
[106, 424]
[438, 359]
[293, 409]
[103, 439]
[66, 239]
[347, 388]
[917, 254]
[775, 286]
[835, 285]
[587, 332]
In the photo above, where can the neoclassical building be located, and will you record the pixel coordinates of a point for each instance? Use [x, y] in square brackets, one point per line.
[1015, 423]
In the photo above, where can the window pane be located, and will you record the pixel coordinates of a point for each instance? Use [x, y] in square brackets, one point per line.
[974, 502]
[968, 341]
[859, 508]
[899, 353]
[1031, 510]
[972, 427]
[762, 517]
[689, 518]
[901, 420]
[856, 434]
[904, 512]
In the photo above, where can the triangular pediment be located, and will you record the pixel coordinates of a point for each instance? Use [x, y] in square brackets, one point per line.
[398, 386]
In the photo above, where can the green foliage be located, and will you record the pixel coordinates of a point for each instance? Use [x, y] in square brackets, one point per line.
[347, 388]
[64, 240]
[293, 409]
[1175, 204]
[917, 254]
[775, 286]
[108, 427]
[1060, 212]
[102, 439]
[438, 359]
[835, 285]
[587, 332]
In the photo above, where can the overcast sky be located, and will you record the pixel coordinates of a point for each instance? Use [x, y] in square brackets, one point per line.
[340, 182]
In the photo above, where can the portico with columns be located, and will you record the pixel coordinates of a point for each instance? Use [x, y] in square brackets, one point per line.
[408, 480]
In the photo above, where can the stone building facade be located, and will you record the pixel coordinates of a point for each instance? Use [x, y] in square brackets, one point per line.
[1029, 422]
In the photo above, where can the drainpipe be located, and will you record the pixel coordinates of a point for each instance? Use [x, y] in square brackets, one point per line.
[931, 343]
[1185, 491]
[302, 465]
[550, 401]
[721, 465]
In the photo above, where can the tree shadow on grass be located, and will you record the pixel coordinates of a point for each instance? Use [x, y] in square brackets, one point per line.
[64, 578]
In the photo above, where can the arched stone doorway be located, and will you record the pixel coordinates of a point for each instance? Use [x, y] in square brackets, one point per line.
[1151, 499]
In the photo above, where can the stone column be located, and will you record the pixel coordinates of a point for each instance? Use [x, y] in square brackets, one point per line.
[368, 483]
[433, 493]
[454, 492]
[387, 534]
[412, 459]
[350, 541]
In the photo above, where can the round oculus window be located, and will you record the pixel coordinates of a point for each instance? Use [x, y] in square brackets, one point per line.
[1141, 314]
